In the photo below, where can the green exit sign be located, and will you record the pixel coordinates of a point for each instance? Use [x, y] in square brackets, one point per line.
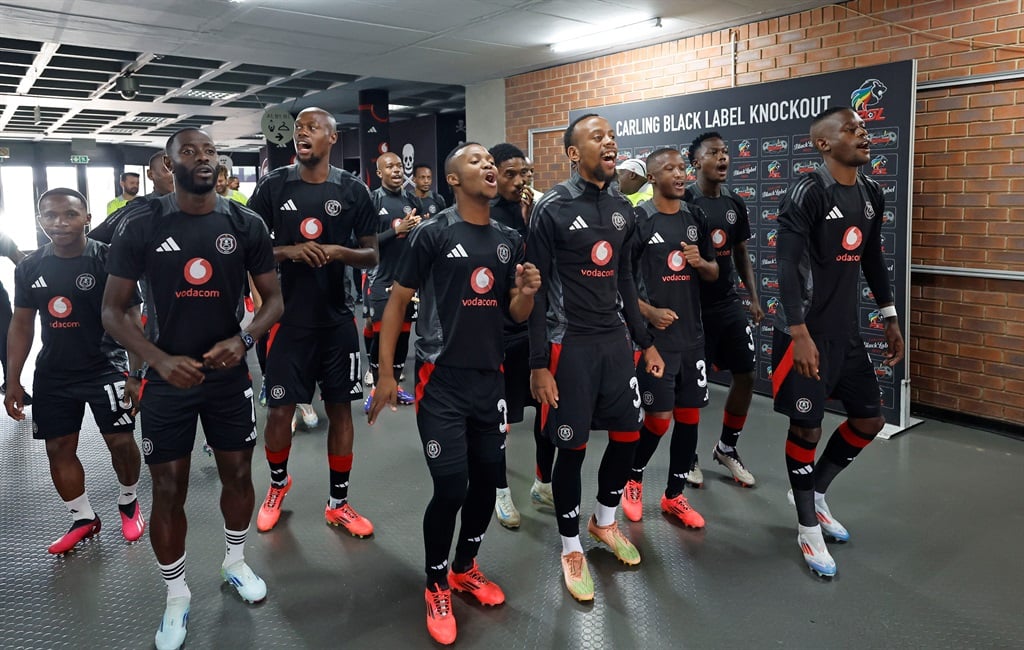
[79, 160]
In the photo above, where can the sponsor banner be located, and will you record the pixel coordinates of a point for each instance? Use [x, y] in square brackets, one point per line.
[767, 129]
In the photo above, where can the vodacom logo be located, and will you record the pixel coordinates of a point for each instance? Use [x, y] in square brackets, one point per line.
[676, 261]
[198, 271]
[601, 253]
[481, 280]
[852, 238]
[311, 228]
[718, 237]
[59, 307]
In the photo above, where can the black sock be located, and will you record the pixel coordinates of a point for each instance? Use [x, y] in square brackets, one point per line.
[401, 352]
[476, 513]
[614, 471]
[800, 466]
[732, 427]
[681, 454]
[545, 454]
[650, 437]
[843, 446]
[128, 509]
[565, 483]
[439, 525]
[502, 478]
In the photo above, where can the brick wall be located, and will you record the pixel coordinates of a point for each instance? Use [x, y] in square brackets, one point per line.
[967, 343]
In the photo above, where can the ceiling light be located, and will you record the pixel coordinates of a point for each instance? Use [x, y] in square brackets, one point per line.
[398, 107]
[635, 32]
[208, 94]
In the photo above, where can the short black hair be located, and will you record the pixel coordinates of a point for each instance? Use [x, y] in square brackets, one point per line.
[827, 113]
[691, 152]
[451, 154]
[567, 136]
[504, 151]
[159, 154]
[63, 191]
[174, 136]
[125, 176]
[420, 165]
[657, 153]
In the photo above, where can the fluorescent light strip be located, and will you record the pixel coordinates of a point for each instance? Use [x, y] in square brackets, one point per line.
[602, 40]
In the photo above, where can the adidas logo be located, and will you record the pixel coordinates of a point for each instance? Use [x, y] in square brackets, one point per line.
[251, 437]
[357, 389]
[40, 283]
[125, 419]
[383, 212]
[575, 513]
[806, 469]
[656, 238]
[372, 129]
[168, 246]
[458, 251]
[578, 223]
[834, 213]
[289, 205]
[440, 567]
[475, 539]
[341, 485]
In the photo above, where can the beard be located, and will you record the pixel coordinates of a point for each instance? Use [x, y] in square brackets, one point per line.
[310, 161]
[184, 178]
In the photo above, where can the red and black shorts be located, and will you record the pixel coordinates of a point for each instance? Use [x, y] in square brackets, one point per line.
[298, 358]
[378, 300]
[222, 403]
[728, 338]
[60, 405]
[597, 389]
[846, 375]
[683, 385]
[461, 415]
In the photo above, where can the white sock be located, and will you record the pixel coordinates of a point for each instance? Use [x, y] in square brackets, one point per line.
[538, 483]
[808, 530]
[127, 493]
[235, 546]
[174, 576]
[724, 448]
[504, 490]
[819, 497]
[80, 508]
[571, 544]
[604, 515]
[333, 503]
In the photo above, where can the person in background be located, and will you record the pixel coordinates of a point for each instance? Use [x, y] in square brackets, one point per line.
[632, 176]
[9, 250]
[129, 190]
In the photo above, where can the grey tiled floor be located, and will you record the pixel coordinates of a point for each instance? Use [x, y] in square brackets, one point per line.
[936, 517]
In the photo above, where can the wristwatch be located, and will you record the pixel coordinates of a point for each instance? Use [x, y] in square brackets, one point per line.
[247, 339]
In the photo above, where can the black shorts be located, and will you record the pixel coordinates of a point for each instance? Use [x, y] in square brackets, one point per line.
[728, 338]
[60, 406]
[597, 389]
[517, 378]
[846, 375]
[683, 385]
[461, 414]
[223, 403]
[298, 358]
[378, 300]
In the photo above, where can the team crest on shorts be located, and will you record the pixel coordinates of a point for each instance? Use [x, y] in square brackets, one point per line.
[332, 208]
[565, 432]
[648, 398]
[226, 244]
[803, 405]
[618, 220]
[277, 392]
[730, 216]
[504, 253]
[869, 211]
[85, 281]
[433, 449]
[691, 233]
[147, 446]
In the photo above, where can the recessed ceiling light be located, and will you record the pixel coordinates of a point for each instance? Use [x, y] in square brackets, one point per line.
[208, 94]
[398, 107]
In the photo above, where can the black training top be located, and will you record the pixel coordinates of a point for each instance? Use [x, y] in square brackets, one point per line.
[332, 212]
[729, 225]
[196, 266]
[464, 273]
